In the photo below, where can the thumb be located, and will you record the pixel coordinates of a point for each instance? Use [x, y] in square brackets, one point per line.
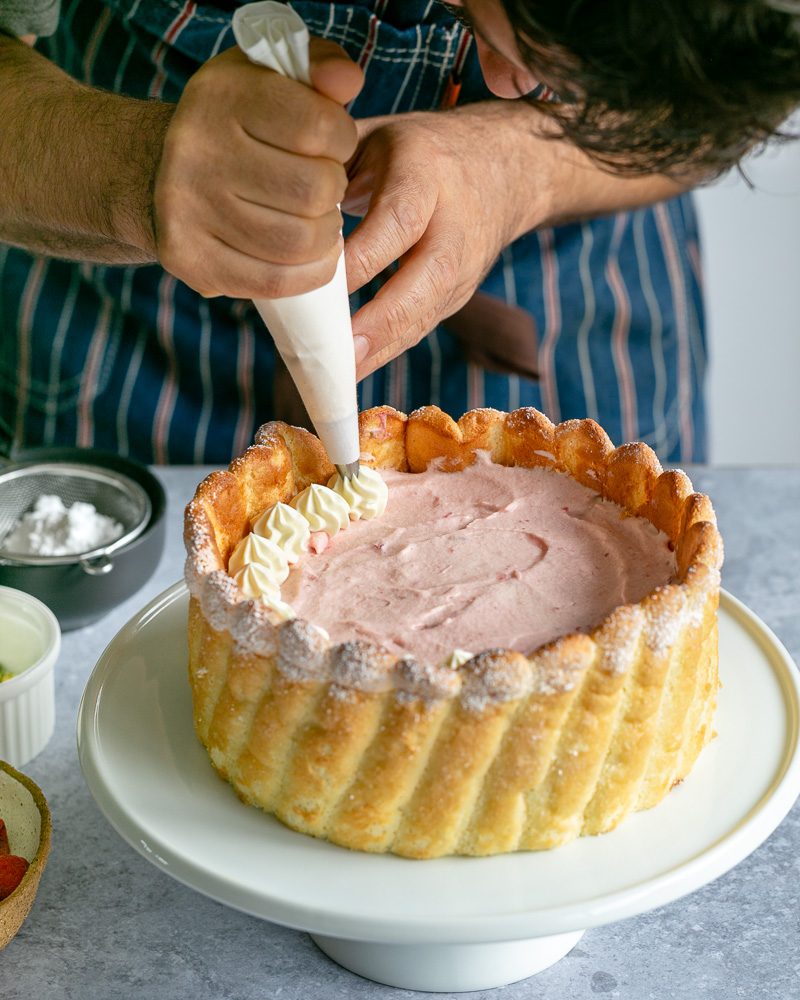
[333, 72]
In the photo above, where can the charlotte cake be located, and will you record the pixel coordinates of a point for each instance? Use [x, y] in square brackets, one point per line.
[371, 725]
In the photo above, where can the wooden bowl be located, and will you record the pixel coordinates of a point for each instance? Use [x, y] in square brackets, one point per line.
[24, 808]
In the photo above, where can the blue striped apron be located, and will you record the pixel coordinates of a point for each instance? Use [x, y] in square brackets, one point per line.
[130, 359]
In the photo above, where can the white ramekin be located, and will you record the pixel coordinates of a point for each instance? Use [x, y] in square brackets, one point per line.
[27, 701]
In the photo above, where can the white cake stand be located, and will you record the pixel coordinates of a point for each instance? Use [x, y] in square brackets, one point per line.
[452, 924]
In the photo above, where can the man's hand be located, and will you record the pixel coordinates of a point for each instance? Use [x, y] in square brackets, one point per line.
[436, 193]
[234, 191]
[252, 171]
[443, 193]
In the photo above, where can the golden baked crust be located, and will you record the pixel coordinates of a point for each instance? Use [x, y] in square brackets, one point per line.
[509, 752]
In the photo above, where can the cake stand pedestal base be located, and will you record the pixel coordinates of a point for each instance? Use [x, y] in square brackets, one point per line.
[448, 968]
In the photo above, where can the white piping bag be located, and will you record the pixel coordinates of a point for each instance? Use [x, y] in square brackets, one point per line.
[312, 331]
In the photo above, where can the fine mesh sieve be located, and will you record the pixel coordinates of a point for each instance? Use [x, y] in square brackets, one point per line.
[111, 493]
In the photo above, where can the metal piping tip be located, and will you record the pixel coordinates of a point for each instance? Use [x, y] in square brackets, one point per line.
[348, 471]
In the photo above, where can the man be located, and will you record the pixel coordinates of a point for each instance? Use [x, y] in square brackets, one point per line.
[173, 148]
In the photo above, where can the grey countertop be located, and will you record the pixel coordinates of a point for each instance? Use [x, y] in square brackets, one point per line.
[107, 924]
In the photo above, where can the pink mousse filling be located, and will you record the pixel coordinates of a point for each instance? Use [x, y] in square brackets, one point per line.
[487, 557]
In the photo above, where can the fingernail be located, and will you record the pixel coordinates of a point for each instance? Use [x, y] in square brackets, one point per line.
[361, 348]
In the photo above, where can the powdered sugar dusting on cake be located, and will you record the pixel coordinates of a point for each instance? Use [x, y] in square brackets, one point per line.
[665, 615]
[618, 638]
[696, 607]
[423, 680]
[195, 575]
[494, 677]
[302, 651]
[702, 580]
[220, 596]
[557, 670]
[361, 665]
[198, 537]
[253, 629]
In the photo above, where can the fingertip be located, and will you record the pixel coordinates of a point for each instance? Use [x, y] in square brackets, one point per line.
[333, 72]
[360, 348]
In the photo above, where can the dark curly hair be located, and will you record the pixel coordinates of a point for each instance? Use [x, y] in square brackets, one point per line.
[675, 86]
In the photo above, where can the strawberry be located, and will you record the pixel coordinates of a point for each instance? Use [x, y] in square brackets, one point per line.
[4, 848]
[12, 869]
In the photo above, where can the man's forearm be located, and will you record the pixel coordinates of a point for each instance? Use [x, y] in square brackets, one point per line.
[76, 164]
[550, 181]
[585, 189]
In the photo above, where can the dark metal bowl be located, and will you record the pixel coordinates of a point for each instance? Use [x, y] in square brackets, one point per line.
[76, 597]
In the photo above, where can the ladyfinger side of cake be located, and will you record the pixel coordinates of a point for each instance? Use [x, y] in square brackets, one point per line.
[393, 738]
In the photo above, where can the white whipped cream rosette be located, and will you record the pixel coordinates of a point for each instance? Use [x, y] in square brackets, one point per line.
[257, 582]
[366, 494]
[457, 659]
[313, 331]
[281, 611]
[255, 549]
[287, 528]
[323, 509]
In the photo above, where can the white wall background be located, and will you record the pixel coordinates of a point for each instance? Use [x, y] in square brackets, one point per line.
[751, 242]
